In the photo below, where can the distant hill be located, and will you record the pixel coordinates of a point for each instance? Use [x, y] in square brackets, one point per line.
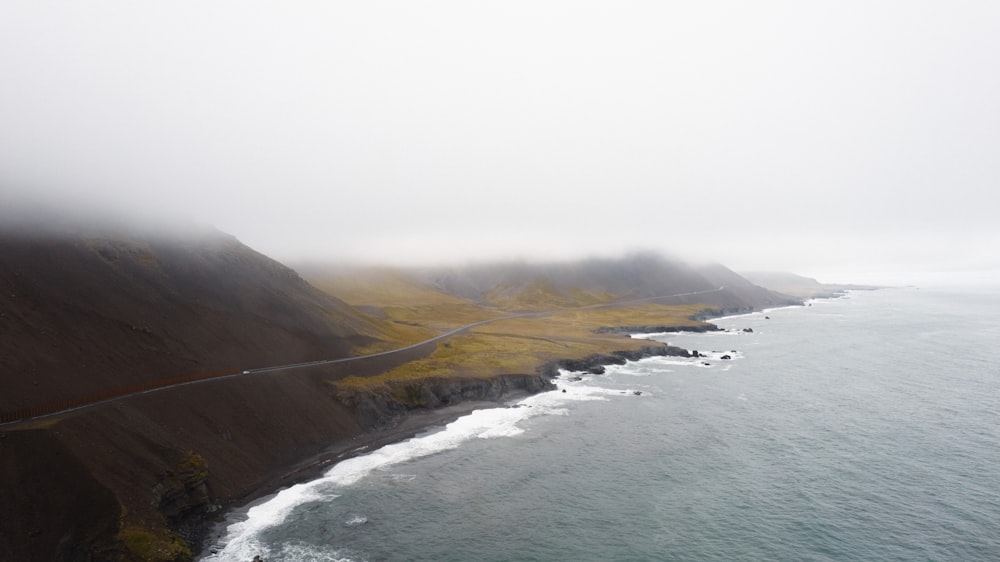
[543, 286]
[86, 311]
[524, 286]
[799, 286]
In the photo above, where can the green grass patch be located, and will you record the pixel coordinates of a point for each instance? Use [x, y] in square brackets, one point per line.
[143, 545]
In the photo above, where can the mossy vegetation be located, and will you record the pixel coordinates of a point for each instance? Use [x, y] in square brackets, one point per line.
[193, 465]
[144, 545]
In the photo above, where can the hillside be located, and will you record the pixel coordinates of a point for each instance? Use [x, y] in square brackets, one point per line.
[92, 311]
[799, 286]
[88, 312]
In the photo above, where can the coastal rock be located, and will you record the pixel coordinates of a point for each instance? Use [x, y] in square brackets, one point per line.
[724, 311]
[657, 328]
[387, 406]
[597, 361]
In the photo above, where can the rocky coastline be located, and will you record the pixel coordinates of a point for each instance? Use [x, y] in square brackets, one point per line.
[657, 329]
[404, 410]
[595, 364]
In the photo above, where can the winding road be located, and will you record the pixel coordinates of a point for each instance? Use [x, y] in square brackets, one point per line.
[291, 366]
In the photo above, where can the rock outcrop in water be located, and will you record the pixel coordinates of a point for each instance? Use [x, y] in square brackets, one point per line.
[656, 329]
[595, 363]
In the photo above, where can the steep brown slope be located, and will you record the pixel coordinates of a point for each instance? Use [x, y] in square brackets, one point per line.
[94, 311]
[744, 290]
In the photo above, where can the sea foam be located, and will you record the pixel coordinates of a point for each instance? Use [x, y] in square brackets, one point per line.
[241, 543]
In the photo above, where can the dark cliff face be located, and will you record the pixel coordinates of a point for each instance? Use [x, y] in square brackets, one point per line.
[386, 406]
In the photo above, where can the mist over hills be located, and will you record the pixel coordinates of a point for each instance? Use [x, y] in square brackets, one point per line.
[85, 312]
[515, 286]
[798, 285]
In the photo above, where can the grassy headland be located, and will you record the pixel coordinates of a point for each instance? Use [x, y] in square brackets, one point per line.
[534, 323]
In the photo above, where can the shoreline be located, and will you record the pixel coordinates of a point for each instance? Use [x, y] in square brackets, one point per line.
[207, 533]
[210, 531]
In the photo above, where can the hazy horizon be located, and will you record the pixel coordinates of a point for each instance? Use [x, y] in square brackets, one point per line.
[847, 142]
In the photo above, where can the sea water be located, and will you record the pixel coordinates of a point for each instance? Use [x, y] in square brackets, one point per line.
[860, 428]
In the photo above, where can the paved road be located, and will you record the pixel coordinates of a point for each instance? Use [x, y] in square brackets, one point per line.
[291, 366]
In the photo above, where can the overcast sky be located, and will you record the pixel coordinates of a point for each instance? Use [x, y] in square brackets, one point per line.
[809, 136]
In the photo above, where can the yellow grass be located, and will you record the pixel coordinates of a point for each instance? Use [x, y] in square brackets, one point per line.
[411, 312]
[522, 345]
[406, 311]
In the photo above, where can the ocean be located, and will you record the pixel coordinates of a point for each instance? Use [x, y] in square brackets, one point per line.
[865, 427]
